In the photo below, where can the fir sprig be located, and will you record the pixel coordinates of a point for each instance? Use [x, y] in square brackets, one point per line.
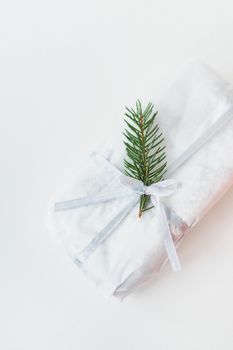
[144, 147]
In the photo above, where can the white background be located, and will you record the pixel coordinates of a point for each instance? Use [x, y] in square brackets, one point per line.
[67, 68]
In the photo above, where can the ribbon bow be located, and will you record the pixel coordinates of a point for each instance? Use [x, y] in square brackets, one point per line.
[156, 191]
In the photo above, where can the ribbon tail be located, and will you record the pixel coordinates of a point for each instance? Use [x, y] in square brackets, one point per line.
[89, 200]
[167, 237]
[105, 233]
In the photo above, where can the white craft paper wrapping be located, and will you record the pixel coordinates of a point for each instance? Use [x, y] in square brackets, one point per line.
[135, 251]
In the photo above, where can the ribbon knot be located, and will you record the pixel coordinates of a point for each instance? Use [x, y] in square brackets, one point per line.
[160, 189]
[157, 190]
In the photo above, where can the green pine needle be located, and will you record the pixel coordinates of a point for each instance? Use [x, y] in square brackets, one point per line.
[146, 159]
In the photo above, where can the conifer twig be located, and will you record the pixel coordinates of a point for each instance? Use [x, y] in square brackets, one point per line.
[146, 157]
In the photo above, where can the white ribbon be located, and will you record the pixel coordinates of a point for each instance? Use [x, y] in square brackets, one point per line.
[157, 190]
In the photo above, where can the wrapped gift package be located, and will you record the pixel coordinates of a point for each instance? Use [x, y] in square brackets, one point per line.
[96, 215]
